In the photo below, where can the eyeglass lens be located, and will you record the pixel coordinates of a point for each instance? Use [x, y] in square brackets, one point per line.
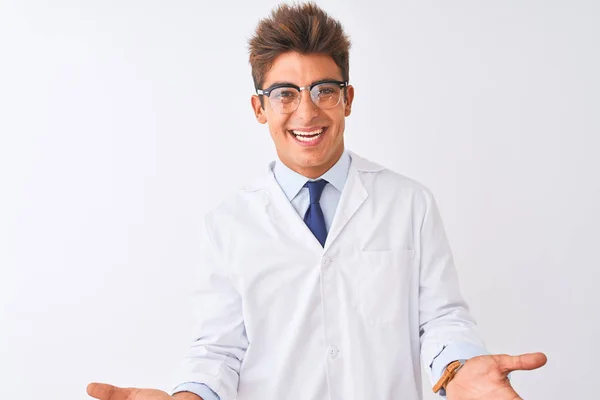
[287, 99]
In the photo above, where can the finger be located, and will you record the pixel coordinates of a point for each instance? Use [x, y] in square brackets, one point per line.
[104, 391]
[523, 362]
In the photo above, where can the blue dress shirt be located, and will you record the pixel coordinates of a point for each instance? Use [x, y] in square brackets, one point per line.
[292, 185]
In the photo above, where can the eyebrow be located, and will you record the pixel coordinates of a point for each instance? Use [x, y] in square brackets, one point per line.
[284, 83]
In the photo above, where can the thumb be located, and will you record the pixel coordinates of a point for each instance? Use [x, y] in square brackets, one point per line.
[523, 362]
[105, 391]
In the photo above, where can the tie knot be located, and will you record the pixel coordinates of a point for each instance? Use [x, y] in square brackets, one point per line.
[315, 188]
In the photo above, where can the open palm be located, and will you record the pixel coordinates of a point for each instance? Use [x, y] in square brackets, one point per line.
[486, 377]
[104, 391]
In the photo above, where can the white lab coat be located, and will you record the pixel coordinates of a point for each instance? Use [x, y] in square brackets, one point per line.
[280, 317]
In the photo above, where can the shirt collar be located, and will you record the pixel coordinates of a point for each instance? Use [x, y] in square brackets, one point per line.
[291, 182]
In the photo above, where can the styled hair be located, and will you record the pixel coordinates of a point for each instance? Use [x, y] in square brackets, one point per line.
[303, 28]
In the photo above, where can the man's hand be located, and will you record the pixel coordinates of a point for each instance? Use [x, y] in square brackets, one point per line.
[486, 377]
[103, 391]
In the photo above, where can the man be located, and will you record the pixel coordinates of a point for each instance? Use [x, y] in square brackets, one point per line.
[330, 277]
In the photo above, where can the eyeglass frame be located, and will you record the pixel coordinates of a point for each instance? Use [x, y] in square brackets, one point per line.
[266, 92]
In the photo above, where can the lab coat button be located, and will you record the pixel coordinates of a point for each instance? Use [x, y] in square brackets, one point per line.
[326, 261]
[333, 352]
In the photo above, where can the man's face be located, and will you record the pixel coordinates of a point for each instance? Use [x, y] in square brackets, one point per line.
[309, 156]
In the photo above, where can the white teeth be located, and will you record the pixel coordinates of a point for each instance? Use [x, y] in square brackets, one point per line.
[308, 139]
[315, 132]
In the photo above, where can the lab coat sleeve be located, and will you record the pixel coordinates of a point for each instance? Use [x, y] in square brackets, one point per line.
[198, 389]
[219, 339]
[444, 318]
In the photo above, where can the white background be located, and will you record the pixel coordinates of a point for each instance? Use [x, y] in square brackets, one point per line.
[123, 122]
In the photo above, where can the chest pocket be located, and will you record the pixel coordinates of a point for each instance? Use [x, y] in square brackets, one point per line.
[383, 285]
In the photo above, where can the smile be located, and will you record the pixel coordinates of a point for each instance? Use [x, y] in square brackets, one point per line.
[308, 137]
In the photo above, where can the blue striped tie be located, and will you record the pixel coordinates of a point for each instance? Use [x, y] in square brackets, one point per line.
[314, 218]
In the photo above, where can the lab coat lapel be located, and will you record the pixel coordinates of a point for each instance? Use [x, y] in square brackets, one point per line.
[283, 214]
[353, 196]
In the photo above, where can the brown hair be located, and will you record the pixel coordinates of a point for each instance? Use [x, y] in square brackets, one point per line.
[304, 28]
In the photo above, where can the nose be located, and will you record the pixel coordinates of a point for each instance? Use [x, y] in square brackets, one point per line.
[306, 110]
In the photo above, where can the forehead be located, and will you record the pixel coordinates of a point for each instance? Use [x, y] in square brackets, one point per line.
[302, 69]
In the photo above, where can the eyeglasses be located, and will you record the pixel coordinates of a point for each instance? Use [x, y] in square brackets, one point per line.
[285, 97]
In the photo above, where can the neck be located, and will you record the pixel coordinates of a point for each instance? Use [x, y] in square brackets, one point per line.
[313, 172]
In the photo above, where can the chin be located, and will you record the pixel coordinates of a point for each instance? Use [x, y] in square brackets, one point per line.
[311, 161]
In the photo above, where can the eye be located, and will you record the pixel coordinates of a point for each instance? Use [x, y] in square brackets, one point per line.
[327, 90]
[284, 93]
[287, 93]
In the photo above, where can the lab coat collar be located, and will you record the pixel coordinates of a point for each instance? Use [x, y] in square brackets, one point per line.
[362, 164]
[357, 163]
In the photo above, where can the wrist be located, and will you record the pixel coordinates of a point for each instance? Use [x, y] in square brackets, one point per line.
[449, 373]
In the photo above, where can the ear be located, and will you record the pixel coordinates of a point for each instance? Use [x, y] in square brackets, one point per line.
[259, 111]
[349, 99]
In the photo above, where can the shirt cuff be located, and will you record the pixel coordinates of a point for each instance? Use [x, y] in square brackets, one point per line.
[199, 389]
[453, 352]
